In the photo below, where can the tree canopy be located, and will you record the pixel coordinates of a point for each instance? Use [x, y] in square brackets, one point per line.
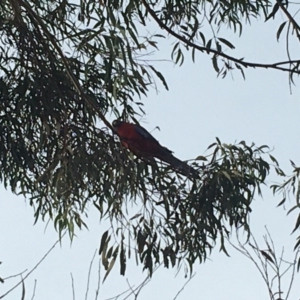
[66, 65]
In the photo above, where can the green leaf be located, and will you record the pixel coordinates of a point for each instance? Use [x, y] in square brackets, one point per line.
[103, 241]
[109, 268]
[160, 76]
[297, 225]
[274, 159]
[226, 175]
[267, 256]
[215, 63]
[193, 54]
[208, 45]
[211, 145]
[122, 260]
[280, 30]
[179, 58]
[274, 11]
[203, 38]
[153, 44]
[227, 43]
[281, 202]
[200, 157]
[297, 244]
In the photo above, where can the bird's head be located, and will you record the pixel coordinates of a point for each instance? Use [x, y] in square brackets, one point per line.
[116, 124]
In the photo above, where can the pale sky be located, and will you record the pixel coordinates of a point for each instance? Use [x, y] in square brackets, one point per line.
[197, 108]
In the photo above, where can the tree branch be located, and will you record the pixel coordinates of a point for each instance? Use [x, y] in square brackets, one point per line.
[291, 19]
[245, 64]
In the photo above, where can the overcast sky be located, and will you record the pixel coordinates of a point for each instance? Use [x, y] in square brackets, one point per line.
[197, 108]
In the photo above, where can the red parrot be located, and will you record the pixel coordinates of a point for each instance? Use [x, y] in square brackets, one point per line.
[138, 140]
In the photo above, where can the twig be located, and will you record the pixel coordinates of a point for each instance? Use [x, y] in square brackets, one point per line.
[99, 280]
[245, 252]
[40, 261]
[116, 297]
[34, 289]
[73, 289]
[293, 274]
[23, 289]
[17, 275]
[89, 276]
[291, 19]
[184, 286]
[276, 264]
[131, 289]
[142, 284]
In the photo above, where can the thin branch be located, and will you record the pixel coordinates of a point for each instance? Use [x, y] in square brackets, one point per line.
[134, 291]
[40, 261]
[142, 284]
[131, 289]
[277, 264]
[246, 64]
[16, 275]
[242, 249]
[264, 265]
[146, 281]
[23, 289]
[34, 289]
[116, 297]
[293, 274]
[89, 275]
[179, 292]
[99, 280]
[73, 289]
[291, 19]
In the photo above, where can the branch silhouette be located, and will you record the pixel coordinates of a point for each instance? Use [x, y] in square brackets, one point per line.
[246, 64]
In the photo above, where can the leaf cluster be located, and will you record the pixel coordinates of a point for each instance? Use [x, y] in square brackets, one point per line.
[290, 187]
[56, 77]
[181, 221]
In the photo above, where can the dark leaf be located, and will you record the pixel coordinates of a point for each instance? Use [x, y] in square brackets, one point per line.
[122, 260]
[109, 268]
[280, 30]
[227, 43]
[160, 76]
[274, 11]
[267, 256]
[103, 241]
[281, 202]
[297, 225]
[215, 63]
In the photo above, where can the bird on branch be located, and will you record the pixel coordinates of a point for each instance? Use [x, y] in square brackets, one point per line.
[140, 142]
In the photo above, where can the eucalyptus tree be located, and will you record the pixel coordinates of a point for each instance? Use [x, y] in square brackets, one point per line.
[66, 65]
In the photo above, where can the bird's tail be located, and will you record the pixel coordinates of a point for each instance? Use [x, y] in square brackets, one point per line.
[179, 165]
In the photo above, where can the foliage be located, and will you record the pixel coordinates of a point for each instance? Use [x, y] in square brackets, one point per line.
[180, 219]
[291, 186]
[64, 66]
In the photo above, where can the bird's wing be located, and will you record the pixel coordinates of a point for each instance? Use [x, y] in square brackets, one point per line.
[144, 133]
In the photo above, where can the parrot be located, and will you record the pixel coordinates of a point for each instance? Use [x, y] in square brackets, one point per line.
[140, 142]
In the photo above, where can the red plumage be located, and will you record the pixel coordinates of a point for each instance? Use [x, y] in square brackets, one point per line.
[138, 140]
